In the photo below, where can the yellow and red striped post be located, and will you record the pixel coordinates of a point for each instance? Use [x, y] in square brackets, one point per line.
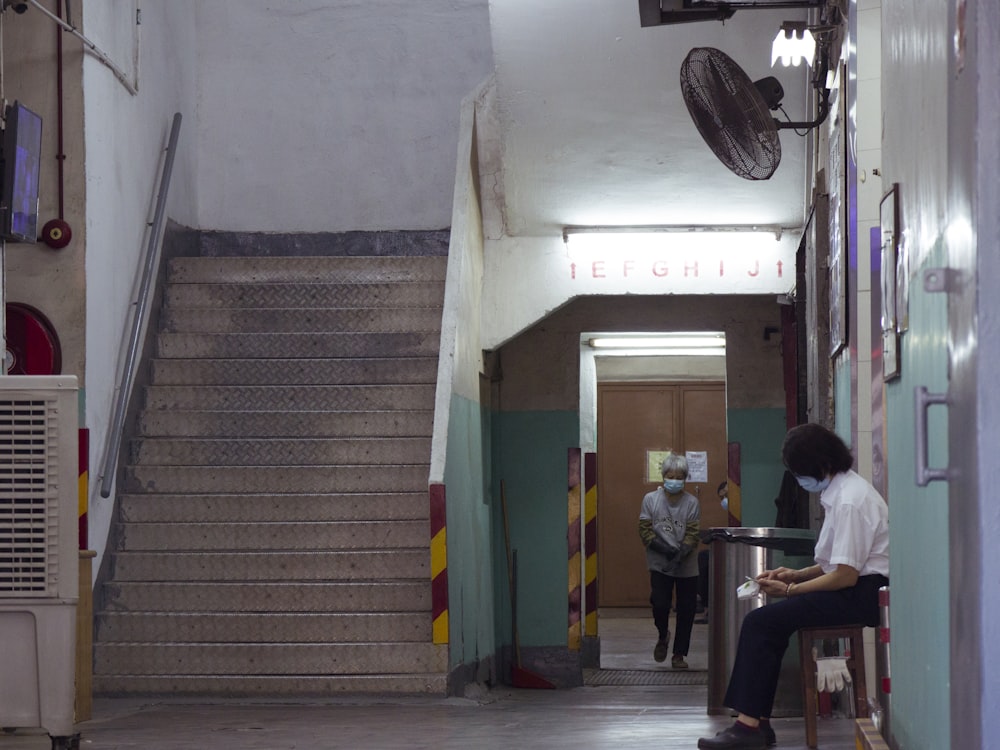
[573, 543]
[439, 564]
[82, 485]
[590, 543]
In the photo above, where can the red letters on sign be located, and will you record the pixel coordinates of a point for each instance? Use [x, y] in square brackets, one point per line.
[661, 269]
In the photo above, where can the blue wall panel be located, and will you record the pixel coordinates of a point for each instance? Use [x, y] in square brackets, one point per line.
[759, 433]
[530, 456]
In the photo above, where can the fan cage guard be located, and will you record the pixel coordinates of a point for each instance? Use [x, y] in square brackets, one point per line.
[730, 113]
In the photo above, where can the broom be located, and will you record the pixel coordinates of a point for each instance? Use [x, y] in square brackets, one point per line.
[519, 677]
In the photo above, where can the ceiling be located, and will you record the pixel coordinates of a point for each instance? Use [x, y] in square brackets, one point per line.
[595, 131]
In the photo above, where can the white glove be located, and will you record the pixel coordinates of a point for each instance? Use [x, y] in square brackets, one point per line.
[832, 673]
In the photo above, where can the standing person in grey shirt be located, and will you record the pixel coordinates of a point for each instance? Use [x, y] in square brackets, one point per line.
[668, 526]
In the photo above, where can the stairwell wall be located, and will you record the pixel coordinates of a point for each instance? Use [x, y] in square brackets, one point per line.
[460, 448]
[111, 153]
[125, 136]
[333, 116]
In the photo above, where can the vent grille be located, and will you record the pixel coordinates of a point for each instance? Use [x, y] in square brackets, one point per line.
[29, 495]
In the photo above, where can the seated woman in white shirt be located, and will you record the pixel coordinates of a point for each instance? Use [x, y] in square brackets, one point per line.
[852, 563]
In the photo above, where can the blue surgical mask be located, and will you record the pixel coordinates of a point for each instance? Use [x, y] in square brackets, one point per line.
[673, 486]
[812, 484]
[725, 503]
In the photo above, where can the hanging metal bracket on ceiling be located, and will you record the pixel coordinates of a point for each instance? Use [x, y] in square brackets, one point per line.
[669, 12]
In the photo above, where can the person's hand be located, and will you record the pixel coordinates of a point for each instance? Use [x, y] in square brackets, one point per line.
[786, 575]
[658, 545]
[772, 586]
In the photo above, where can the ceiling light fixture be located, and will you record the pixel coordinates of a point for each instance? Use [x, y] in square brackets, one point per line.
[653, 229]
[698, 343]
[793, 44]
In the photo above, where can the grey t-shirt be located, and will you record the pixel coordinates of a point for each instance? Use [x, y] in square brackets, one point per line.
[672, 520]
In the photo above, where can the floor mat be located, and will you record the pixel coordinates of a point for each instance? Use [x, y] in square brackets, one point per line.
[637, 677]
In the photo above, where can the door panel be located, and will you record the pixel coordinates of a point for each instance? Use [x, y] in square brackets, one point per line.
[632, 419]
[704, 429]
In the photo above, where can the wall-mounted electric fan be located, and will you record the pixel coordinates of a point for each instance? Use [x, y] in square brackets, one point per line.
[733, 113]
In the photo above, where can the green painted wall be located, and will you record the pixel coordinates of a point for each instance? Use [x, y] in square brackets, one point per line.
[918, 531]
[759, 433]
[470, 577]
[530, 451]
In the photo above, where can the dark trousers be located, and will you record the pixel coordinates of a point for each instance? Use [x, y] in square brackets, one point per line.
[766, 631]
[661, 588]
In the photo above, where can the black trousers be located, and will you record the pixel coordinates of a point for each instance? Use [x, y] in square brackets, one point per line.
[661, 592]
[766, 631]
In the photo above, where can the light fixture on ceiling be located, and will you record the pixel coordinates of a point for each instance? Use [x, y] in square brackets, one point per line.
[660, 229]
[793, 44]
[699, 344]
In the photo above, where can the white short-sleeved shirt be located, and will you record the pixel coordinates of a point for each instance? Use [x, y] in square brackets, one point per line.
[855, 528]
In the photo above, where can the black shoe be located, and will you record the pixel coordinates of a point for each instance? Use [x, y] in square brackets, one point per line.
[768, 732]
[660, 650]
[733, 739]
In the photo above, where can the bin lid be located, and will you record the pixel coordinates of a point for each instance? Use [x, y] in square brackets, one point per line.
[789, 541]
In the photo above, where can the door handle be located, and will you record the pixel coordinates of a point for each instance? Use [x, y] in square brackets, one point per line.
[923, 400]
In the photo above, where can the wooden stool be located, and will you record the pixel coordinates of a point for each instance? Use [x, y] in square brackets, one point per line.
[855, 665]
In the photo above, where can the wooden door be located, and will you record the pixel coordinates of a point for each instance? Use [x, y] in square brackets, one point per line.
[632, 420]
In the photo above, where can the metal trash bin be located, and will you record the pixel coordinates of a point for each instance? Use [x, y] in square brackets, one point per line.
[738, 552]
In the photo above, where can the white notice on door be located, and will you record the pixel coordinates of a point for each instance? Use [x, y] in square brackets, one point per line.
[697, 466]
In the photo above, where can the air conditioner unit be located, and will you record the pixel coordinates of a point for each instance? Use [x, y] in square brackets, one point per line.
[39, 555]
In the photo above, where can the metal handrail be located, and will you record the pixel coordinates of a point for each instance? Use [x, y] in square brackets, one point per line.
[141, 307]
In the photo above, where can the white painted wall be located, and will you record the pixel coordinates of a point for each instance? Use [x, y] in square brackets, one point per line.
[124, 139]
[544, 273]
[333, 116]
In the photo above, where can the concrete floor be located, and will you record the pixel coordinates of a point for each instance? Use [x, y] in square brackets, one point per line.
[618, 718]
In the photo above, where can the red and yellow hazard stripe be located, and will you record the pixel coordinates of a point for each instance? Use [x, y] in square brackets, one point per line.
[590, 543]
[439, 564]
[573, 539]
[82, 485]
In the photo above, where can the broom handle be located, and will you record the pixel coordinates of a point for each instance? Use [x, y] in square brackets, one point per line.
[511, 574]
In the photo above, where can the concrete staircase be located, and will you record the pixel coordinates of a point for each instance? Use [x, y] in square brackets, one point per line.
[274, 533]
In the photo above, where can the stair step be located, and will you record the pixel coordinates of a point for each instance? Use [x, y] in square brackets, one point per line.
[249, 320]
[266, 597]
[435, 683]
[280, 452]
[297, 479]
[288, 398]
[281, 296]
[363, 269]
[368, 371]
[328, 535]
[200, 508]
[417, 423]
[186, 627]
[268, 658]
[353, 565]
[274, 526]
[297, 345]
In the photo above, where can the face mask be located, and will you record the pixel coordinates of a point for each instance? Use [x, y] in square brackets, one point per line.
[811, 484]
[725, 503]
[673, 486]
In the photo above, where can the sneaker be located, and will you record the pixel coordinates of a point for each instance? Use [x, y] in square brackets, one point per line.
[660, 651]
[768, 733]
[678, 662]
[733, 738]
